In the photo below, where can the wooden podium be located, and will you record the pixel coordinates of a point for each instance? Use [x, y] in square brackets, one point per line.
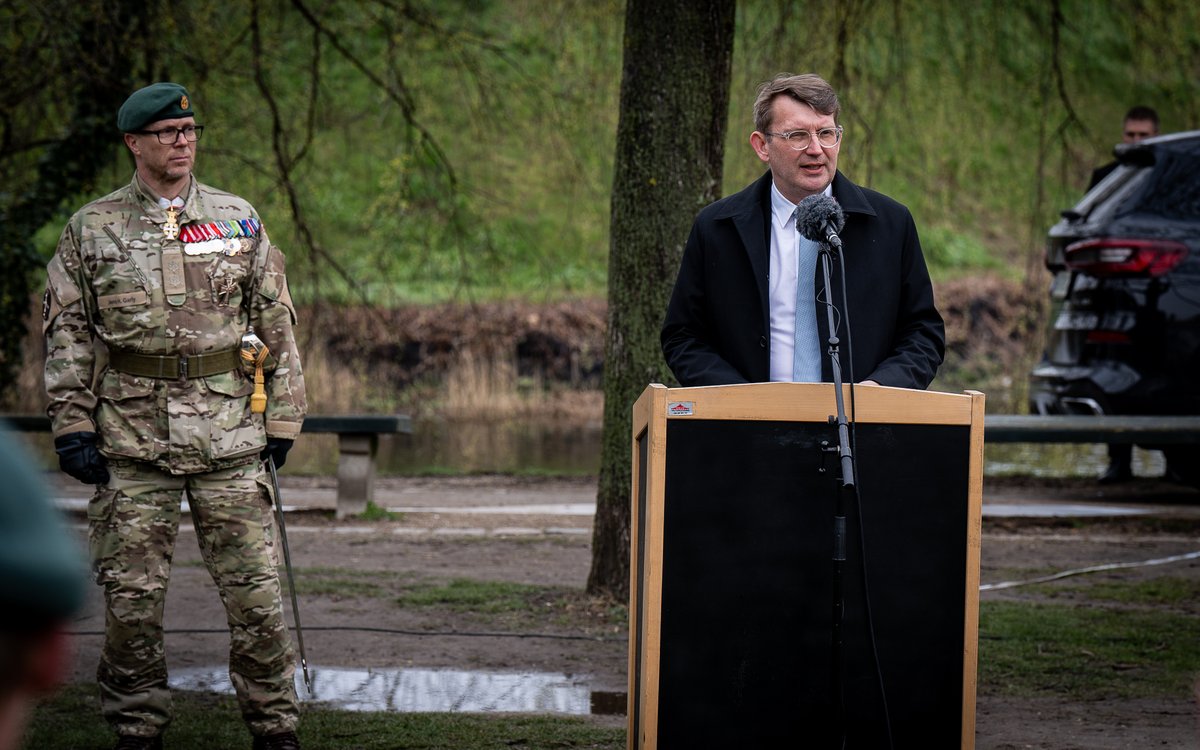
[731, 595]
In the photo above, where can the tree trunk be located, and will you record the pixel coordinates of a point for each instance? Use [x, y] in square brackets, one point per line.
[103, 56]
[670, 148]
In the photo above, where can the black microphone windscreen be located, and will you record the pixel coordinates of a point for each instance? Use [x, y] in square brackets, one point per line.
[815, 213]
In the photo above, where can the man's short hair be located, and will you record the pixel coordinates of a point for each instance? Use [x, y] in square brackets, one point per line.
[807, 88]
[1141, 112]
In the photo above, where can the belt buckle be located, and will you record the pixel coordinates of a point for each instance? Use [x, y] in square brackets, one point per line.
[183, 367]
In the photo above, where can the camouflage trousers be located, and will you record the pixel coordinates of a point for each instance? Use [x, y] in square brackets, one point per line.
[132, 527]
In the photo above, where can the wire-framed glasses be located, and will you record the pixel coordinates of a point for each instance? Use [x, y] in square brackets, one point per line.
[799, 139]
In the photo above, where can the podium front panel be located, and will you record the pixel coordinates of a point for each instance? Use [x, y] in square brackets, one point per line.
[736, 586]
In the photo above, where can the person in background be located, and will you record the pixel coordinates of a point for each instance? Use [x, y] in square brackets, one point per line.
[151, 295]
[42, 575]
[745, 307]
[1140, 123]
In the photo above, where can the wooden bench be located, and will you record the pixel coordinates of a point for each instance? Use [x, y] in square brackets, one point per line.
[358, 443]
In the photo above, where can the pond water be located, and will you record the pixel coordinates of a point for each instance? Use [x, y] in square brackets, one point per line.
[1063, 460]
[415, 690]
[547, 448]
[473, 447]
[532, 447]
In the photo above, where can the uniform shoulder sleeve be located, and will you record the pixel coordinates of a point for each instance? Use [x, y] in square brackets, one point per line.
[62, 277]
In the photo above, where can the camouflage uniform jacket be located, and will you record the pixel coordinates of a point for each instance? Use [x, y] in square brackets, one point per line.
[106, 291]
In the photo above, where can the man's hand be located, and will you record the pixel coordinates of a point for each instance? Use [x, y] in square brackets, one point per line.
[79, 457]
[277, 448]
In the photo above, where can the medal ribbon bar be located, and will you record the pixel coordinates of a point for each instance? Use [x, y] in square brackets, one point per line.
[218, 230]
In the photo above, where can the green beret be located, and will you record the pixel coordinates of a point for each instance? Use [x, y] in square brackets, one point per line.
[42, 572]
[158, 101]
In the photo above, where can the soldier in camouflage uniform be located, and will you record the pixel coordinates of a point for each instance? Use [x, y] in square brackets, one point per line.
[149, 294]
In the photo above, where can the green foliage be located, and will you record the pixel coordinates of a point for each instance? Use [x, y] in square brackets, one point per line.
[71, 719]
[986, 119]
[477, 196]
[951, 253]
[1077, 653]
[464, 149]
[475, 161]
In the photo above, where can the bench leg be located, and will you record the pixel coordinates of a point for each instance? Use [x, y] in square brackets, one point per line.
[356, 472]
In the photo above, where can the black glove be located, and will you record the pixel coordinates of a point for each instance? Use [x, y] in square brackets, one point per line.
[79, 457]
[277, 448]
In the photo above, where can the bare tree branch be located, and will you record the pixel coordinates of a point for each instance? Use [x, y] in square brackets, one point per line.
[1057, 21]
[285, 163]
[399, 93]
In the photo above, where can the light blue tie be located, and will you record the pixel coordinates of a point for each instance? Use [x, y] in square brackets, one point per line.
[806, 358]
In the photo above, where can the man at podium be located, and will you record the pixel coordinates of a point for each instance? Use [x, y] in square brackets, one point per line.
[748, 303]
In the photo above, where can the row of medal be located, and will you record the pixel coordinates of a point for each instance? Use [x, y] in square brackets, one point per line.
[213, 237]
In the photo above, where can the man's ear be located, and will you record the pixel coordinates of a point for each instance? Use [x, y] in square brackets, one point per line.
[131, 143]
[758, 142]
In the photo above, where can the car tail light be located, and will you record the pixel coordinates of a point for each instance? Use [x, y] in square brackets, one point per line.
[1119, 257]
[1109, 337]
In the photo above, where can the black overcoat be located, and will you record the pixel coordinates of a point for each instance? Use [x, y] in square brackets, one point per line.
[717, 322]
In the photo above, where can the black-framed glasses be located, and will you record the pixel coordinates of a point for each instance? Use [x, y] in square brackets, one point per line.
[168, 136]
[799, 139]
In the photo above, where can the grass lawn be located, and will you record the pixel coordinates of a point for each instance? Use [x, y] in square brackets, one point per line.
[71, 721]
[1110, 640]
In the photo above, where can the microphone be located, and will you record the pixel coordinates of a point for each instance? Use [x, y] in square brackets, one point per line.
[819, 218]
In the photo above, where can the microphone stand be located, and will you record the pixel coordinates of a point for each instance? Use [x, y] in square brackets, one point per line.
[846, 490]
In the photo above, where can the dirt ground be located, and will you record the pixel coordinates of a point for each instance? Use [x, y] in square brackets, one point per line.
[555, 550]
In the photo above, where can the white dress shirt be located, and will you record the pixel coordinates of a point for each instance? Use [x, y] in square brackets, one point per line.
[781, 284]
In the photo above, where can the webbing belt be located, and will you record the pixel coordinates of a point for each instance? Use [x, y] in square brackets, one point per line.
[172, 366]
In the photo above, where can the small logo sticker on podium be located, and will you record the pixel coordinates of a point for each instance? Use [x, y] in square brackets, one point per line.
[680, 409]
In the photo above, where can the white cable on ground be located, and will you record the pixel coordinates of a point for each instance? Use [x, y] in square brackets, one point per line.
[1092, 569]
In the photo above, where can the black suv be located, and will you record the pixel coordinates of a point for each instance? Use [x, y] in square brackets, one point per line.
[1124, 332]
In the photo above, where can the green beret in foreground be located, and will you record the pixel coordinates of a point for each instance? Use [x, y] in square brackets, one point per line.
[158, 101]
[42, 572]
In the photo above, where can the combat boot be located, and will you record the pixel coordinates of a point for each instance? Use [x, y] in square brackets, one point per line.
[134, 742]
[281, 741]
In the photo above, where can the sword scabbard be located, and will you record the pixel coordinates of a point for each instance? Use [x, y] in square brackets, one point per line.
[287, 563]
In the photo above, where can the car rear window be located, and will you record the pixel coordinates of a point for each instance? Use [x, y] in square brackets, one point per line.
[1173, 188]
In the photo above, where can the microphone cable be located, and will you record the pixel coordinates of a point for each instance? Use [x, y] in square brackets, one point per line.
[862, 541]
